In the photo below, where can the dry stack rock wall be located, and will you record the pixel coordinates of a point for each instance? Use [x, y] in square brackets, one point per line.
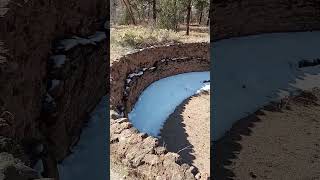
[234, 18]
[51, 51]
[129, 76]
[76, 76]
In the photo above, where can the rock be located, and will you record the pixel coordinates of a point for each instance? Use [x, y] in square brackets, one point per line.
[114, 114]
[161, 178]
[14, 148]
[192, 170]
[151, 159]
[160, 150]
[198, 176]
[12, 168]
[174, 157]
[116, 128]
[122, 120]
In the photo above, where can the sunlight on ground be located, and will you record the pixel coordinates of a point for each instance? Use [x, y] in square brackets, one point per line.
[127, 38]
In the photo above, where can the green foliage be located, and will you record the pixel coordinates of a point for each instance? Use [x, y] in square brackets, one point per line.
[125, 18]
[171, 12]
[138, 37]
[201, 4]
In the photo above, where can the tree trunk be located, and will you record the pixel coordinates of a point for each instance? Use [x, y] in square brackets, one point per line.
[129, 10]
[175, 16]
[188, 18]
[149, 9]
[200, 18]
[209, 14]
[154, 9]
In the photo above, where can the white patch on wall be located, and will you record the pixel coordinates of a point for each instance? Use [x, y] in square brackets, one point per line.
[58, 60]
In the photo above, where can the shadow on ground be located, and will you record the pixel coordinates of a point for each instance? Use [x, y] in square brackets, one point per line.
[225, 151]
[174, 136]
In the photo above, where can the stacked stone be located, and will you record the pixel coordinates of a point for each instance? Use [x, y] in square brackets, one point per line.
[130, 75]
[235, 18]
[76, 81]
[14, 163]
[144, 155]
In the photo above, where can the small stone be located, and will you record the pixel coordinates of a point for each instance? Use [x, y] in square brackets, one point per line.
[172, 156]
[125, 134]
[116, 128]
[192, 169]
[135, 138]
[160, 150]
[151, 159]
[160, 178]
[198, 176]
[114, 140]
[151, 141]
[114, 114]
[122, 120]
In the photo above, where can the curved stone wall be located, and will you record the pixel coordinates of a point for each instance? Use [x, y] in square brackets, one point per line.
[34, 35]
[129, 76]
[27, 32]
[234, 18]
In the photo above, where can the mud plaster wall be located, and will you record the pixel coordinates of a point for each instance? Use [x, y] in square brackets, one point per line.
[176, 59]
[234, 18]
[130, 75]
[28, 32]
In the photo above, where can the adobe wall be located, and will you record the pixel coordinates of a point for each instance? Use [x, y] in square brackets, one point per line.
[49, 98]
[129, 76]
[235, 18]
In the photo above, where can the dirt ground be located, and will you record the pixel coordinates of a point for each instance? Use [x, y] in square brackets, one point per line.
[159, 37]
[187, 132]
[281, 141]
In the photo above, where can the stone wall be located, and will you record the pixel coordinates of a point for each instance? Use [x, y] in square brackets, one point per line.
[234, 18]
[46, 99]
[129, 76]
[76, 76]
[157, 63]
[27, 32]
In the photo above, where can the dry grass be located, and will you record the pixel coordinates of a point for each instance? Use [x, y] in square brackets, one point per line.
[127, 38]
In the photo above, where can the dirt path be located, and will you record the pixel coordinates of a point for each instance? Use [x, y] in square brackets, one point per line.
[187, 132]
[275, 143]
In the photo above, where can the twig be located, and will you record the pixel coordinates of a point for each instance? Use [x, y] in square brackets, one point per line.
[184, 149]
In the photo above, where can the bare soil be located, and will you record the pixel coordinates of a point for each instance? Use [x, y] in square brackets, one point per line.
[187, 132]
[280, 141]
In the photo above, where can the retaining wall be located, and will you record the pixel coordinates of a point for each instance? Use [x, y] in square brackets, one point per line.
[129, 76]
[49, 99]
[234, 18]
